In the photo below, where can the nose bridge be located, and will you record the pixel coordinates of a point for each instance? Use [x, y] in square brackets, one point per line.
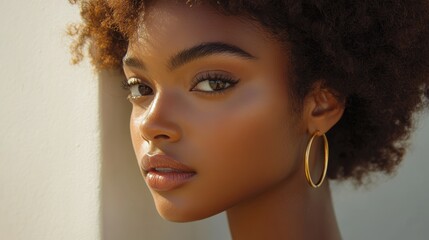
[159, 122]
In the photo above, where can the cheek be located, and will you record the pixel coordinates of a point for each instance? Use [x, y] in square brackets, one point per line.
[247, 139]
[240, 150]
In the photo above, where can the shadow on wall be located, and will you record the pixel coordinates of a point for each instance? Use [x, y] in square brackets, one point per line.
[127, 209]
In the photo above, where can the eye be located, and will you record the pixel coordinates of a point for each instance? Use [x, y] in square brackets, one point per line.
[137, 88]
[213, 82]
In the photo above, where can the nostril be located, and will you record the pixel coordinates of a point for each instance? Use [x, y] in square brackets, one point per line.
[162, 136]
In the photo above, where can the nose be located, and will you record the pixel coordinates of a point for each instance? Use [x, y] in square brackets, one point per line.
[159, 123]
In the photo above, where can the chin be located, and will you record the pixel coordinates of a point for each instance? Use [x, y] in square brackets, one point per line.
[181, 214]
[180, 210]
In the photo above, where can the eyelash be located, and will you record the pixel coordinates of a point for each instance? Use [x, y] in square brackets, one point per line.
[125, 85]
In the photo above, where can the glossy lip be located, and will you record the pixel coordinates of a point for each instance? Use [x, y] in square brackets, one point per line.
[176, 173]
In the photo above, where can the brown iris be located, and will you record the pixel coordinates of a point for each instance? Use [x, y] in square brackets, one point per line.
[145, 90]
[217, 85]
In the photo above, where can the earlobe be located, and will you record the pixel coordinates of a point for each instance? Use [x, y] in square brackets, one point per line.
[323, 109]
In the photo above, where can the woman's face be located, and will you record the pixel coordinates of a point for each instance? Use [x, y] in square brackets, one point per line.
[212, 124]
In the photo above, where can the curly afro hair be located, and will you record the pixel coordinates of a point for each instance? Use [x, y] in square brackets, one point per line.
[374, 54]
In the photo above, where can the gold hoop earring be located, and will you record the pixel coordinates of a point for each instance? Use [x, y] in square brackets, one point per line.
[307, 157]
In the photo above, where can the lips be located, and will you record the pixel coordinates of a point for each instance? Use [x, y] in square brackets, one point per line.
[163, 173]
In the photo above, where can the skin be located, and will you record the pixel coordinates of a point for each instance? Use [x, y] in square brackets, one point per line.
[245, 143]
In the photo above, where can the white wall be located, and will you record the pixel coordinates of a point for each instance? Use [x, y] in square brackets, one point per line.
[67, 170]
[49, 130]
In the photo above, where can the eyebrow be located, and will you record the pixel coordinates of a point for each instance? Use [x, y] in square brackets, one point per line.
[193, 53]
[132, 62]
[206, 49]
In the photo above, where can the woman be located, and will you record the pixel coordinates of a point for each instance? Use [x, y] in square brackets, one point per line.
[234, 101]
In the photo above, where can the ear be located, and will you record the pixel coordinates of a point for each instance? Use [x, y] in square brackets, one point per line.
[322, 109]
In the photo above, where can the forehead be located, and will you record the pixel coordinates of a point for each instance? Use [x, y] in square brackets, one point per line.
[175, 25]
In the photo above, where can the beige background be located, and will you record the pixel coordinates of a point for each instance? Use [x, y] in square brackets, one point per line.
[67, 170]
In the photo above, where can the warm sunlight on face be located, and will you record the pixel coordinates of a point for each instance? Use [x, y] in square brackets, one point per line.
[212, 124]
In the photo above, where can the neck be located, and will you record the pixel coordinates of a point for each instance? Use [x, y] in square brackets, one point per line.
[286, 212]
